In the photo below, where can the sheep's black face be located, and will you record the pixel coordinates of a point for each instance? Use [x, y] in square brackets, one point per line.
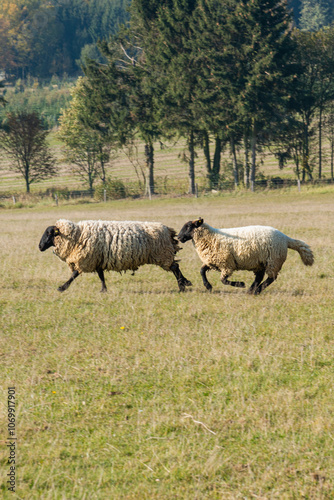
[47, 239]
[187, 232]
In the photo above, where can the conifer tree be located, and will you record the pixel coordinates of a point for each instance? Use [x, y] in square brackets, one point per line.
[121, 85]
[164, 30]
[315, 87]
[244, 51]
[266, 73]
[217, 69]
[315, 14]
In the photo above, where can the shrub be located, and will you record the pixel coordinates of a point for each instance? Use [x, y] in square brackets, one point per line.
[115, 189]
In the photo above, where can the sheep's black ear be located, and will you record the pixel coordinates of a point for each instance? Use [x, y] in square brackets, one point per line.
[198, 222]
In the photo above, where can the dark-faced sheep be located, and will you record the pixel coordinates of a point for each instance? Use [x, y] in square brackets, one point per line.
[260, 249]
[98, 246]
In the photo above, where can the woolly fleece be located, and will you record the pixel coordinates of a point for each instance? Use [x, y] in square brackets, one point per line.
[114, 245]
[250, 248]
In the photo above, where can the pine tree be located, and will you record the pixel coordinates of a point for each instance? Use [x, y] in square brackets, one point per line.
[266, 59]
[122, 85]
[164, 32]
[314, 15]
[315, 86]
[244, 52]
[215, 73]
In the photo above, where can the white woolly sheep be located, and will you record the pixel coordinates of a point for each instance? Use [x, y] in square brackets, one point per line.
[98, 246]
[260, 249]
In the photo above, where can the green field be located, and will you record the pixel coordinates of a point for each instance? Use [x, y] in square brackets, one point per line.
[146, 393]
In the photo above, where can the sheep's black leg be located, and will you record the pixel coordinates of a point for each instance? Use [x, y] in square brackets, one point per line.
[204, 270]
[239, 284]
[65, 286]
[258, 278]
[264, 285]
[101, 276]
[181, 280]
[185, 281]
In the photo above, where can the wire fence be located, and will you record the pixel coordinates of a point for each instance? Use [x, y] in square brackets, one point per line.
[276, 183]
[107, 195]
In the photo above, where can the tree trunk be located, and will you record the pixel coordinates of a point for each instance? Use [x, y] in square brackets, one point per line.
[320, 145]
[216, 162]
[303, 171]
[253, 146]
[306, 152]
[103, 169]
[192, 188]
[26, 175]
[91, 182]
[246, 164]
[332, 158]
[151, 169]
[235, 163]
[149, 153]
[206, 150]
[296, 160]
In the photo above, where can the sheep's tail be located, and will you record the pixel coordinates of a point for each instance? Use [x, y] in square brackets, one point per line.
[174, 241]
[303, 249]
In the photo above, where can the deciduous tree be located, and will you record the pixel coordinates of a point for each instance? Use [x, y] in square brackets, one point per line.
[24, 140]
[86, 148]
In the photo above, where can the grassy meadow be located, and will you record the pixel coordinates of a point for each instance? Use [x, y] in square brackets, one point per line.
[170, 172]
[146, 393]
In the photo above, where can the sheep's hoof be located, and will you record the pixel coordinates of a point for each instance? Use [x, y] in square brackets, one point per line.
[61, 289]
[103, 290]
[188, 283]
[208, 287]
